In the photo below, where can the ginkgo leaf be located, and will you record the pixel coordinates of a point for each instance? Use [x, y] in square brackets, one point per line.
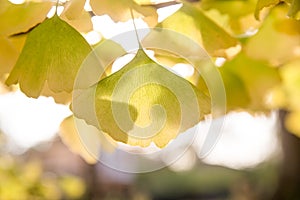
[290, 87]
[59, 97]
[277, 40]
[84, 139]
[17, 18]
[234, 9]
[294, 11]
[10, 48]
[256, 78]
[73, 8]
[167, 59]
[54, 52]
[98, 64]
[86, 143]
[3, 87]
[75, 15]
[119, 10]
[292, 122]
[234, 16]
[143, 103]
[287, 95]
[196, 25]
[237, 96]
[247, 83]
[264, 3]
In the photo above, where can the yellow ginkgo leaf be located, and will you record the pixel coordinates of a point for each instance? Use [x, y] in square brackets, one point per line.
[84, 139]
[248, 82]
[196, 25]
[277, 40]
[75, 15]
[294, 10]
[10, 49]
[142, 103]
[292, 122]
[262, 4]
[119, 10]
[18, 18]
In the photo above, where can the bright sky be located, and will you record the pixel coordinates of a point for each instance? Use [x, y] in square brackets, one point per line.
[29, 121]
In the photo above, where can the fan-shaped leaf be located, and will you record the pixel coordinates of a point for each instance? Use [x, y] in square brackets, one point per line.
[54, 52]
[84, 139]
[76, 16]
[17, 18]
[196, 25]
[144, 102]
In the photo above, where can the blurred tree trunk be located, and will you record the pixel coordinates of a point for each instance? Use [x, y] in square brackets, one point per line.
[93, 184]
[289, 180]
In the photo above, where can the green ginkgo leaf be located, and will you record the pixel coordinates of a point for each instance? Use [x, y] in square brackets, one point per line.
[196, 25]
[249, 83]
[294, 11]
[144, 102]
[53, 52]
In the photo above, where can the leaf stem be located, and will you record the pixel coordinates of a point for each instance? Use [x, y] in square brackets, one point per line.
[135, 29]
[56, 6]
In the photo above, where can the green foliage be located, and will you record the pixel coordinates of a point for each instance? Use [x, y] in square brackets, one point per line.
[28, 180]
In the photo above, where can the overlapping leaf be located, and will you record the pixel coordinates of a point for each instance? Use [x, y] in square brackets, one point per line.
[247, 82]
[10, 48]
[53, 52]
[143, 103]
[194, 24]
[294, 10]
[240, 14]
[264, 3]
[119, 10]
[20, 18]
[277, 40]
[83, 139]
[76, 16]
